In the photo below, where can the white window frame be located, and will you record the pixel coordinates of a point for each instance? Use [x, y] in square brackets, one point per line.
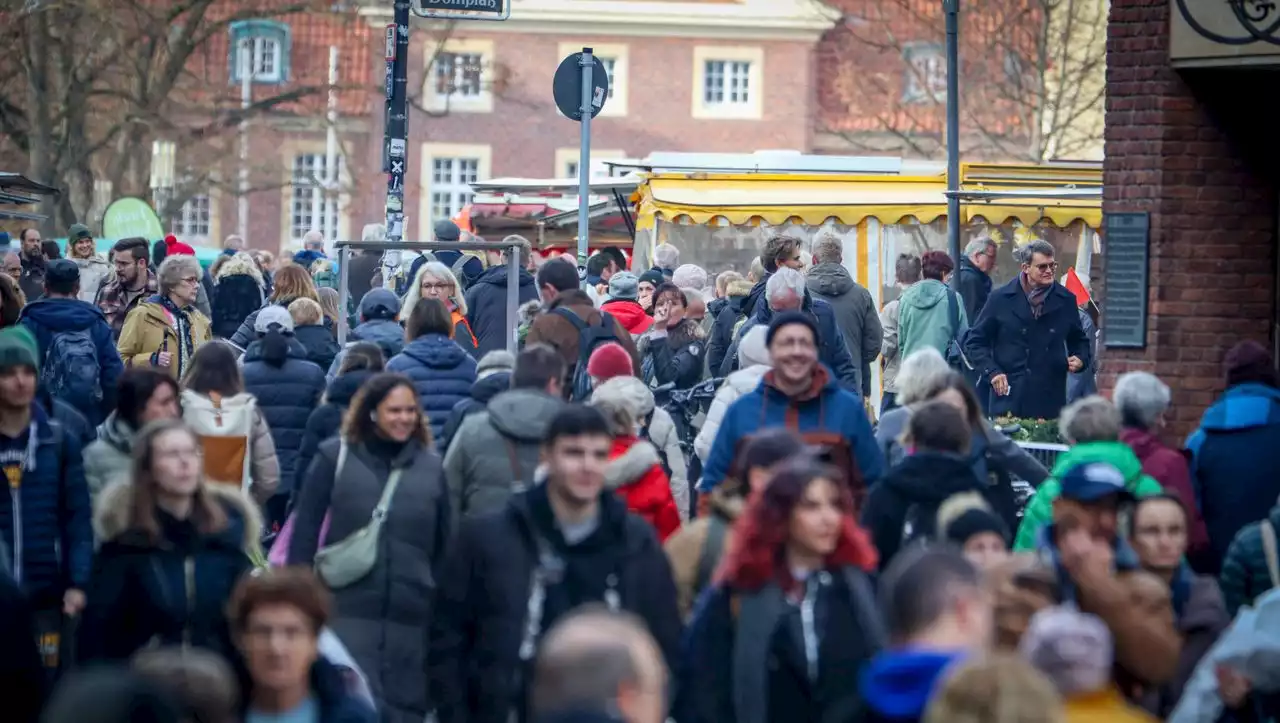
[482, 155]
[480, 101]
[262, 47]
[926, 73]
[187, 222]
[704, 59]
[302, 195]
[619, 55]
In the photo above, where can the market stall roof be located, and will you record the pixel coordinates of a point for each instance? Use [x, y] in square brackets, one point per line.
[18, 182]
[554, 186]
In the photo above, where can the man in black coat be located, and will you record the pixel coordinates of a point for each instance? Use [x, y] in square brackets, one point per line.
[487, 301]
[513, 573]
[1027, 338]
[976, 265]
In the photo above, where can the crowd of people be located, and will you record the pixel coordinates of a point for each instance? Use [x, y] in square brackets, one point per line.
[218, 513]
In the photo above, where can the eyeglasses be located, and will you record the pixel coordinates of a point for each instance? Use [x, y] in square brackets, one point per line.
[437, 287]
[1050, 266]
[191, 280]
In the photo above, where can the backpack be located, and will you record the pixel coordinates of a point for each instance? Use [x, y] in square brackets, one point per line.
[70, 371]
[225, 427]
[590, 337]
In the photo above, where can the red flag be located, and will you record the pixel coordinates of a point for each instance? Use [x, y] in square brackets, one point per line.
[1076, 286]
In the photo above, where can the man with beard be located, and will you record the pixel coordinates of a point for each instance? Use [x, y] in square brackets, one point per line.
[133, 282]
[33, 264]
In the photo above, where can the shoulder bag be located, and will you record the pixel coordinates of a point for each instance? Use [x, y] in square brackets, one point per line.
[349, 561]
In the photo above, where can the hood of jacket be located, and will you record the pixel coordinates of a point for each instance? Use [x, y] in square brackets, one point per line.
[575, 300]
[752, 350]
[630, 392]
[1143, 443]
[1244, 406]
[497, 276]
[925, 294]
[383, 332]
[899, 683]
[343, 388]
[435, 351]
[829, 280]
[94, 260]
[486, 388]
[931, 477]
[306, 257]
[752, 301]
[58, 315]
[628, 313]
[1117, 454]
[636, 459]
[115, 432]
[523, 414]
[112, 508]
[240, 265]
[296, 351]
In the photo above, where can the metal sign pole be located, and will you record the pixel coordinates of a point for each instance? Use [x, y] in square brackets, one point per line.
[952, 10]
[395, 150]
[584, 156]
[513, 298]
[344, 294]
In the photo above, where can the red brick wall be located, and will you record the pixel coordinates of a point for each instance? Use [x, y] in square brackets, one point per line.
[1181, 148]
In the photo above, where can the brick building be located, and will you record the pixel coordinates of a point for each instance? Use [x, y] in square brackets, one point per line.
[1185, 143]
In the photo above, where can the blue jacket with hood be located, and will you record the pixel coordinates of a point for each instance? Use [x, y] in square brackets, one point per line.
[1234, 469]
[897, 684]
[378, 310]
[47, 317]
[487, 307]
[832, 409]
[442, 372]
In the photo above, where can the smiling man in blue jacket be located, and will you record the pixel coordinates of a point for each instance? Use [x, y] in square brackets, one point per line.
[801, 394]
[77, 351]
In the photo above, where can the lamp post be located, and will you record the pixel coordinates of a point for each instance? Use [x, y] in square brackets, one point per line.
[162, 178]
[951, 8]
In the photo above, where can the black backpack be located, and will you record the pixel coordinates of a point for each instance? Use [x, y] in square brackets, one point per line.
[590, 337]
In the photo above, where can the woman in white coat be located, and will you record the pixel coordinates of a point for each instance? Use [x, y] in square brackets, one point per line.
[753, 354]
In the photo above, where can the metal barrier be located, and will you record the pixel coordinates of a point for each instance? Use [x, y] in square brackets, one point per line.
[1045, 453]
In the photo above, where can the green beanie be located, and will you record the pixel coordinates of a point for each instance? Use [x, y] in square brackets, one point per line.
[18, 347]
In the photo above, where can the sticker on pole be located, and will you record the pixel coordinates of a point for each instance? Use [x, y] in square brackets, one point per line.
[463, 9]
[566, 87]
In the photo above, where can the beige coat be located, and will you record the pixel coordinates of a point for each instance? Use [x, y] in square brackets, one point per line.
[147, 329]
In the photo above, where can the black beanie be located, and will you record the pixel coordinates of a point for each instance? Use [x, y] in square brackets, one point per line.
[975, 521]
[787, 318]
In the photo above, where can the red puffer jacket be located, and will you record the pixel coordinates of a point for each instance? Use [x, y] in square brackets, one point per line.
[630, 314]
[635, 473]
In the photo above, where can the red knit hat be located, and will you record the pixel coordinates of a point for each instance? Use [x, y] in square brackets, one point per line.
[174, 247]
[609, 361]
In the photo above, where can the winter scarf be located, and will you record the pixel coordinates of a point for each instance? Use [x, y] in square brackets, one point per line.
[182, 324]
[1035, 295]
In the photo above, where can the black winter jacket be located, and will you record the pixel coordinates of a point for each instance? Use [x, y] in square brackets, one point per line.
[487, 307]
[923, 480]
[319, 342]
[736, 308]
[326, 419]
[483, 594]
[677, 357]
[235, 298]
[286, 395]
[975, 287]
[20, 664]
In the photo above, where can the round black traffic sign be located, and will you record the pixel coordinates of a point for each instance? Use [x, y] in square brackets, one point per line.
[566, 88]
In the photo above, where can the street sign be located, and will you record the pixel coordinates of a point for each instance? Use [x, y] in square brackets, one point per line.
[566, 87]
[463, 9]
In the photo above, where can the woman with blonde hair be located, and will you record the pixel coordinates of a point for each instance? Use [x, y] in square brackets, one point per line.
[93, 268]
[996, 689]
[436, 281]
[173, 547]
[291, 282]
[239, 290]
[329, 300]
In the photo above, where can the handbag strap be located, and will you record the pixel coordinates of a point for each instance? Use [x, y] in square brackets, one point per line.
[1269, 549]
[953, 313]
[389, 491]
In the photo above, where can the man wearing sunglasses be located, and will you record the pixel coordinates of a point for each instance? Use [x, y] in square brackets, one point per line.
[1028, 337]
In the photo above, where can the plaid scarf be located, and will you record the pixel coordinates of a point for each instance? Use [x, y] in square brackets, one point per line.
[1035, 295]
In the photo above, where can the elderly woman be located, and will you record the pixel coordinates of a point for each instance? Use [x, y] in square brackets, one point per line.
[165, 330]
[1142, 400]
[924, 377]
[436, 281]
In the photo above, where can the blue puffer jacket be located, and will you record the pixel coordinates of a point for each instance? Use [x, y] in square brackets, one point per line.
[286, 395]
[386, 333]
[46, 520]
[1234, 468]
[47, 317]
[442, 372]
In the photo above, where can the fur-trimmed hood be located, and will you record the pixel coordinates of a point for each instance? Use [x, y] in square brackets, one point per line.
[687, 332]
[529, 311]
[738, 287]
[111, 514]
[240, 264]
[752, 350]
[627, 392]
[632, 465]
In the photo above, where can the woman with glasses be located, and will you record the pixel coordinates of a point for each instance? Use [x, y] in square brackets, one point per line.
[165, 330]
[436, 281]
[173, 547]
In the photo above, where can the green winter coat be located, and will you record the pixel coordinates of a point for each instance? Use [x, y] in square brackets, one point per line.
[1039, 511]
[924, 318]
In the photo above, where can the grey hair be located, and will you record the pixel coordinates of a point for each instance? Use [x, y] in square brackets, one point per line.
[690, 276]
[828, 248]
[920, 374]
[1141, 398]
[586, 658]
[1092, 419]
[526, 248]
[784, 279]
[174, 269]
[722, 281]
[666, 256]
[439, 271]
[978, 245]
[755, 272]
[313, 239]
[1024, 253]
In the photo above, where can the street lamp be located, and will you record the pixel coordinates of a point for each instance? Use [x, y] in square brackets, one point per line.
[951, 8]
[162, 177]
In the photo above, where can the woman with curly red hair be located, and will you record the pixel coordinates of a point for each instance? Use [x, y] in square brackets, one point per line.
[792, 617]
